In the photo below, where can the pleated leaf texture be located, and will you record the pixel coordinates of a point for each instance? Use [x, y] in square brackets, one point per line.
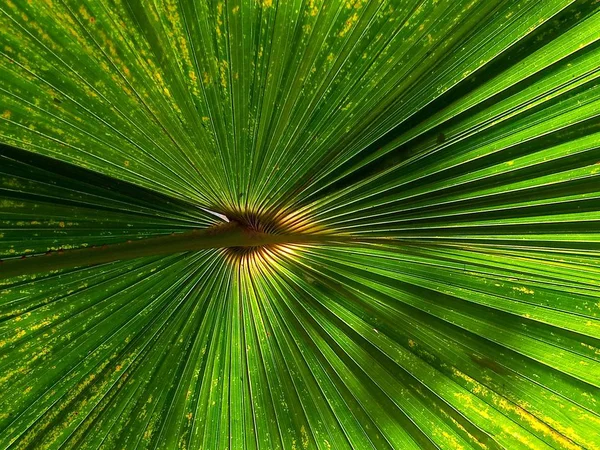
[442, 157]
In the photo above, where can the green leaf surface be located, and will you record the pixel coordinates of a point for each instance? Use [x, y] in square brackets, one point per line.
[434, 163]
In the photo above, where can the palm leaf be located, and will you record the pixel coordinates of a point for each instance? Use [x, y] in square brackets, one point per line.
[414, 187]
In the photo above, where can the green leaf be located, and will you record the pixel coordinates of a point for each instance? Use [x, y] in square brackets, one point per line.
[413, 191]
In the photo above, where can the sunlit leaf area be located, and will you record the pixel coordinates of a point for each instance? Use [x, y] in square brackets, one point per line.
[399, 202]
